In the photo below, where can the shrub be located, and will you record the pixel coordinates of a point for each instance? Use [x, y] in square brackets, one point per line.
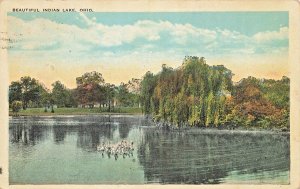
[16, 106]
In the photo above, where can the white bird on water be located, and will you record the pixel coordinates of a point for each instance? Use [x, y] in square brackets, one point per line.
[122, 148]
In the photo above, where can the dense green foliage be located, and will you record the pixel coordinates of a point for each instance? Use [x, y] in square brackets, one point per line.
[62, 96]
[26, 90]
[197, 94]
[91, 91]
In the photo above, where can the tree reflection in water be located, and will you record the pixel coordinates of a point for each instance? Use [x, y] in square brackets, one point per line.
[27, 134]
[169, 157]
[193, 158]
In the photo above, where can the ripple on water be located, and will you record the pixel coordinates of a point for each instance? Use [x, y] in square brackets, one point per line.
[63, 150]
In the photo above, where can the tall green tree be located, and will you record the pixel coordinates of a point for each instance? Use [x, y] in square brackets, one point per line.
[15, 91]
[60, 94]
[110, 93]
[134, 88]
[30, 90]
[147, 88]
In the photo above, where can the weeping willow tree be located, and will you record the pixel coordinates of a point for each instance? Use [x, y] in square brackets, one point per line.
[196, 94]
[193, 94]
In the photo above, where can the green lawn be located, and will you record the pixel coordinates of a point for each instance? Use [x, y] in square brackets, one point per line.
[79, 111]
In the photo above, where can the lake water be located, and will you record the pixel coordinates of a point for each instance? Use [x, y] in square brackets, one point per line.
[63, 150]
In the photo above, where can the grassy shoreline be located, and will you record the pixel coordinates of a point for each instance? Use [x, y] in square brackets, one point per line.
[77, 111]
[224, 127]
[127, 111]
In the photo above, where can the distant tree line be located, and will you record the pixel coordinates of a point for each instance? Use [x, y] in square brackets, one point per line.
[199, 95]
[192, 95]
[91, 90]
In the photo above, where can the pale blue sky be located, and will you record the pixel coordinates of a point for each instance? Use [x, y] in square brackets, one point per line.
[143, 41]
[237, 21]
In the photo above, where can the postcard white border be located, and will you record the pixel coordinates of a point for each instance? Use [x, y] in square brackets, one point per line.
[292, 6]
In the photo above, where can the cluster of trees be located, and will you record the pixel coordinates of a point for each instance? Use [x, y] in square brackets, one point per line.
[197, 94]
[91, 90]
[27, 92]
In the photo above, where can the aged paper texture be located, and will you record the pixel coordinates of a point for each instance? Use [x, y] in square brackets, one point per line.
[136, 93]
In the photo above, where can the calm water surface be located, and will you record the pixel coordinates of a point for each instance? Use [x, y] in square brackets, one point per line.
[63, 150]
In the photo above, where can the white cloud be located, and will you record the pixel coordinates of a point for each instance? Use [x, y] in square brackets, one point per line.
[44, 34]
[116, 35]
[267, 36]
[72, 45]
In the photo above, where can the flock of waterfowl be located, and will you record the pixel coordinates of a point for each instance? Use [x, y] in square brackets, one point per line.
[123, 148]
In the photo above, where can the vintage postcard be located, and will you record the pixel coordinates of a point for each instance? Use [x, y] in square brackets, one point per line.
[150, 94]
